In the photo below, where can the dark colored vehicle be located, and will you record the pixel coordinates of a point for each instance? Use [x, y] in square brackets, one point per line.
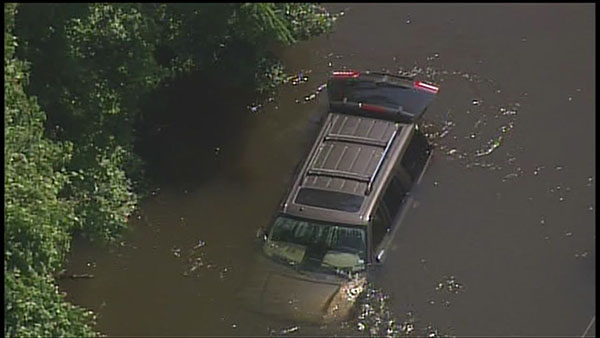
[347, 198]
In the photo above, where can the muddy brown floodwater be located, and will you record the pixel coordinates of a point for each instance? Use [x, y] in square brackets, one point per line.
[501, 241]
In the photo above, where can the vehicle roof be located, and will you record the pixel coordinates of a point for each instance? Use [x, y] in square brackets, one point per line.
[346, 169]
[371, 117]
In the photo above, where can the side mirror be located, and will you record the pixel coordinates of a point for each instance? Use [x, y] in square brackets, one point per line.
[380, 257]
[261, 234]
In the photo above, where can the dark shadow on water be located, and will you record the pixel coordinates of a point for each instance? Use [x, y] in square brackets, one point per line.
[191, 127]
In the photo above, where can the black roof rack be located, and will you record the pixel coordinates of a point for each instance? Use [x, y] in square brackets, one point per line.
[385, 151]
[339, 139]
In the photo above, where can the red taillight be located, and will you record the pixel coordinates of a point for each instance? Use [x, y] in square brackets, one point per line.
[426, 86]
[373, 108]
[346, 74]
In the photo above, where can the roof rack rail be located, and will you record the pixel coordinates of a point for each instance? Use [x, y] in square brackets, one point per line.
[387, 148]
[355, 139]
[338, 174]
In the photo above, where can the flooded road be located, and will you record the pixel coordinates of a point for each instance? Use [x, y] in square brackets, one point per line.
[501, 241]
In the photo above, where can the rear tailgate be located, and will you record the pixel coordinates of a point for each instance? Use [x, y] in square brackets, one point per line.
[380, 95]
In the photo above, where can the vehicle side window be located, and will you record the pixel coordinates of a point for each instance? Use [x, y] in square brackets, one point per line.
[416, 155]
[379, 225]
[393, 197]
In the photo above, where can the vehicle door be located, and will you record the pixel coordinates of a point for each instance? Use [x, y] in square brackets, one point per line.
[380, 226]
[415, 157]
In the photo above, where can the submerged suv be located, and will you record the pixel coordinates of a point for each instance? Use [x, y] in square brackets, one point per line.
[346, 200]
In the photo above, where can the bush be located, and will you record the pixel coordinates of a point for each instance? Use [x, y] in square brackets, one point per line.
[34, 307]
[37, 222]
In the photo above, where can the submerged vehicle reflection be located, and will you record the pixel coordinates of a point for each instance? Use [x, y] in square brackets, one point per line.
[346, 201]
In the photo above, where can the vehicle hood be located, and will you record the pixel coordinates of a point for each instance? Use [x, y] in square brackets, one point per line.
[291, 295]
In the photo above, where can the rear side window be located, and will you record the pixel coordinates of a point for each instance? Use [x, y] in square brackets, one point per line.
[393, 197]
[416, 155]
[380, 226]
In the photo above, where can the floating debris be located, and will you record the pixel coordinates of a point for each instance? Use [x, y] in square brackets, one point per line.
[407, 328]
[321, 87]
[223, 272]
[298, 79]
[290, 330]
[431, 332]
[176, 251]
[509, 176]
[507, 128]
[434, 56]
[506, 112]
[453, 286]
[361, 326]
[494, 144]
[450, 285]
[310, 97]
[200, 244]
[254, 107]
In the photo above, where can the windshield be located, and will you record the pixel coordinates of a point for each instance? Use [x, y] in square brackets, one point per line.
[316, 246]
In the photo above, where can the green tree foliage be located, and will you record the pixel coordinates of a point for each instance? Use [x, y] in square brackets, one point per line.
[100, 60]
[34, 307]
[37, 222]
